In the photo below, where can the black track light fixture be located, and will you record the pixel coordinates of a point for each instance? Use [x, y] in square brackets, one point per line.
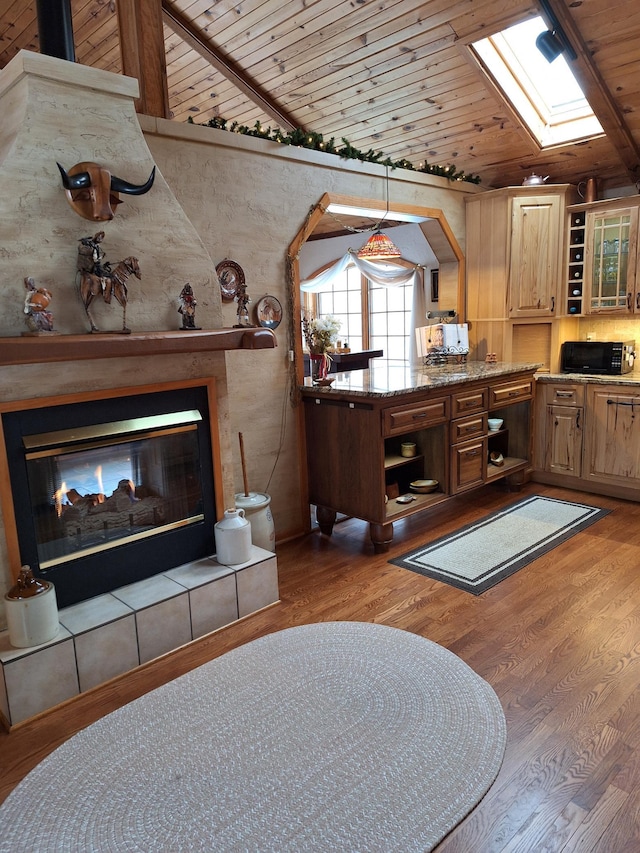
[553, 41]
[549, 45]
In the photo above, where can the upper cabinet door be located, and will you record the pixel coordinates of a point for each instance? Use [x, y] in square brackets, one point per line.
[536, 264]
[610, 261]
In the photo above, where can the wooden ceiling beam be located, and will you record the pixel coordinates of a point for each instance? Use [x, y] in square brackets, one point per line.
[596, 91]
[185, 30]
[143, 54]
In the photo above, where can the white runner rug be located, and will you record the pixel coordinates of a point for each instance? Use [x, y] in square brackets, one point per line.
[340, 736]
[480, 555]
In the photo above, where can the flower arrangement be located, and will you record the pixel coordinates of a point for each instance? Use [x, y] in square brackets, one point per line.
[320, 333]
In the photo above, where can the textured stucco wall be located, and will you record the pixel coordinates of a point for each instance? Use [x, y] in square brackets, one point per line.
[248, 198]
[217, 195]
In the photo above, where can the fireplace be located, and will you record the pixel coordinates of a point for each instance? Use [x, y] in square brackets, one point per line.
[107, 490]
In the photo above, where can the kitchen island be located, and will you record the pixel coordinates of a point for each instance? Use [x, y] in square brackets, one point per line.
[393, 440]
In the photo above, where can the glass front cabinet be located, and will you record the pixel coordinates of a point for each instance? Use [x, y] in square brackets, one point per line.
[603, 242]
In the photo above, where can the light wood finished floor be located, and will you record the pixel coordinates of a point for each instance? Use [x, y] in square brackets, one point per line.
[559, 641]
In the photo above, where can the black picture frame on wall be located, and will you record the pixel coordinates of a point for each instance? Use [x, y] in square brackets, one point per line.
[435, 276]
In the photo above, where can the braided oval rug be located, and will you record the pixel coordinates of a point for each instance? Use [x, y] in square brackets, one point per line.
[342, 736]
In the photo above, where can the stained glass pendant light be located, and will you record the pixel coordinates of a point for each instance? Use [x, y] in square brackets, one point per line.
[379, 248]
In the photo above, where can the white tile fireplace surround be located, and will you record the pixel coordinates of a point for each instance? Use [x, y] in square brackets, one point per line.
[112, 634]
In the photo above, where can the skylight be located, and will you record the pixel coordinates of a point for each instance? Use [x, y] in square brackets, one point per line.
[545, 95]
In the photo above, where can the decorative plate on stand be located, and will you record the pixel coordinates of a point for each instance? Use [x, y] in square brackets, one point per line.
[269, 312]
[231, 277]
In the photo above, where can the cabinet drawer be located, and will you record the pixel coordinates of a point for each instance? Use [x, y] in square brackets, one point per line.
[468, 402]
[510, 392]
[564, 395]
[471, 427]
[407, 418]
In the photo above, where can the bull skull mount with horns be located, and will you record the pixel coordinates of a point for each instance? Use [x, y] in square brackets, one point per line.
[92, 191]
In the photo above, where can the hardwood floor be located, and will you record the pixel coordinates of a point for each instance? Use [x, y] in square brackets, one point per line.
[559, 642]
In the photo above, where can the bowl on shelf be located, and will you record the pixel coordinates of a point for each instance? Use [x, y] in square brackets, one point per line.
[423, 487]
[495, 424]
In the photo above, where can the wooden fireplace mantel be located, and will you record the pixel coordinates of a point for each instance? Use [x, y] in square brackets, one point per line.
[40, 349]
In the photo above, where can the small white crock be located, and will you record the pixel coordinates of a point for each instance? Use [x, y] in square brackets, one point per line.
[32, 611]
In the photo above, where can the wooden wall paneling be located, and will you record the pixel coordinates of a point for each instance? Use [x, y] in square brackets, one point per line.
[229, 67]
[531, 342]
[392, 78]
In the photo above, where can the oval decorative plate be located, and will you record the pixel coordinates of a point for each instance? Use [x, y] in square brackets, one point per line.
[269, 312]
[231, 277]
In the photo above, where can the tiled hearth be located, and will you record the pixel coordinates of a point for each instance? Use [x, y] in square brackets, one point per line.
[114, 633]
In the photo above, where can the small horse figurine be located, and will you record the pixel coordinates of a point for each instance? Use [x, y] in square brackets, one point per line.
[109, 282]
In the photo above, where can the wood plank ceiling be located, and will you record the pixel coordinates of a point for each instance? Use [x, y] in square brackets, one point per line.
[389, 75]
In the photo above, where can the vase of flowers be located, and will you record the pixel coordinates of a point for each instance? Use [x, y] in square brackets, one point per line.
[320, 335]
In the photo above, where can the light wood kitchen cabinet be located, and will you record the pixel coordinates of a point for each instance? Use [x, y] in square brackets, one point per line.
[536, 255]
[516, 237]
[355, 462]
[563, 429]
[515, 270]
[603, 258]
[612, 447]
[564, 434]
[588, 436]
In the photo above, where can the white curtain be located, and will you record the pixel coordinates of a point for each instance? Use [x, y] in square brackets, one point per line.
[418, 312]
[382, 274]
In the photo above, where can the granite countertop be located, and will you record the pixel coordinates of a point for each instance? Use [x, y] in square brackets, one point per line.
[632, 378]
[389, 379]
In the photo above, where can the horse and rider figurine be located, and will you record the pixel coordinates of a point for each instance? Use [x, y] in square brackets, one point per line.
[97, 277]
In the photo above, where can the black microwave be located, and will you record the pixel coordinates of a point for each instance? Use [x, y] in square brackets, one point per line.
[610, 358]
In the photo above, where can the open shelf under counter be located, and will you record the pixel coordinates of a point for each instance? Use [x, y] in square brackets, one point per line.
[395, 510]
[394, 460]
[511, 465]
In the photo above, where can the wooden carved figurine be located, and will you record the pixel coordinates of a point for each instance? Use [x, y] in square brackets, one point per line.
[98, 278]
[188, 308]
[243, 300]
[36, 302]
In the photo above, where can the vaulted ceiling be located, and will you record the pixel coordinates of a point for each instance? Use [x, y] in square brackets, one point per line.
[389, 75]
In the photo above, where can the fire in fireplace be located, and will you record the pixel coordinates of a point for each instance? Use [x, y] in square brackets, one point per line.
[110, 491]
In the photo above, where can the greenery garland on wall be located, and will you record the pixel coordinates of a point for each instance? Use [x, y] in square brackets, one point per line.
[308, 139]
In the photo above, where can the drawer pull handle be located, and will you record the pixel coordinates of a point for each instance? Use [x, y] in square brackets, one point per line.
[419, 415]
[472, 452]
[564, 393]
[514, 393]
[632, 403]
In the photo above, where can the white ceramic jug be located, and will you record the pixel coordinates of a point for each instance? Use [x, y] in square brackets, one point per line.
[233, 538]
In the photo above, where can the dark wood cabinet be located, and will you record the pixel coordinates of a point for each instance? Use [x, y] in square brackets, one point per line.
[355, 459]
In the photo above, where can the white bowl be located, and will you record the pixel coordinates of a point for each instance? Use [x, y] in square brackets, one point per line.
[495, 424]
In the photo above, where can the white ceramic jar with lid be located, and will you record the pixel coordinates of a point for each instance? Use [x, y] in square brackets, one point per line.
[258, 510]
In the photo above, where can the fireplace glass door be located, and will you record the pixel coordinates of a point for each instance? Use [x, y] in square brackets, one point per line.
[107, 492]
[95, 488]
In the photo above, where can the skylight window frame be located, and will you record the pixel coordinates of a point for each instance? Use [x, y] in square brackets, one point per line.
[514, 83]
